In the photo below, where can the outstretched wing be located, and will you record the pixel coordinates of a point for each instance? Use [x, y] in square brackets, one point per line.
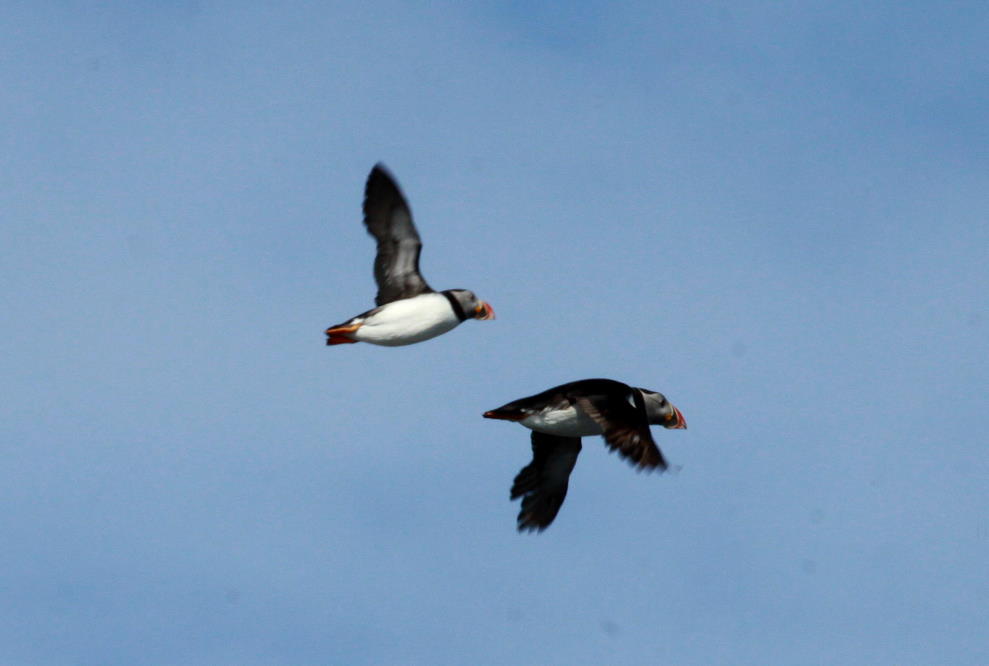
[625, 428]
[389, 220]
[542, 484]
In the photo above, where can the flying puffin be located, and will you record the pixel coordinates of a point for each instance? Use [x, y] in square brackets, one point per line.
[408, 309]
[560, 416]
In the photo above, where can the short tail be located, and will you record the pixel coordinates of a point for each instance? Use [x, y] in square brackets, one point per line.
[339, 340]
[340, 335]
[505, 414]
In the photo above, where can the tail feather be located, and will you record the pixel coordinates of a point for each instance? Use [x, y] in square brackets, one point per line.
[340, 334]
[505, 414]
[339, 340]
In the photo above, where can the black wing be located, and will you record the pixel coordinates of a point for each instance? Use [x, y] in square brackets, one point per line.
[625, 427]
[542, 484]
[389, 220]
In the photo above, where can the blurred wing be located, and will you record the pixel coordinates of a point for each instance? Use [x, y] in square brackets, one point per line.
[625, 429]
[542, 484]
[389, 220]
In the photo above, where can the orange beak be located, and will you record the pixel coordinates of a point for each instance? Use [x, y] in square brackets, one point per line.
[677, 422]
[484, 311]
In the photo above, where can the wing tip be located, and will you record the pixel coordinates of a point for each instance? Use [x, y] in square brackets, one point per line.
[529, 523]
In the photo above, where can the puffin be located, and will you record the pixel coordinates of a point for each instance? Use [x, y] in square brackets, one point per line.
[408, 309]
[560, 416]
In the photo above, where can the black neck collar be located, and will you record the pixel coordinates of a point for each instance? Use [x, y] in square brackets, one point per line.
[455, 304]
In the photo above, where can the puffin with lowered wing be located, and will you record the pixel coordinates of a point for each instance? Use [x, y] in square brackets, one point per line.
[409, 310]
[560, 416]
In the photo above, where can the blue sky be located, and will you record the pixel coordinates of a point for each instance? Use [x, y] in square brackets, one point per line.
[775, 213]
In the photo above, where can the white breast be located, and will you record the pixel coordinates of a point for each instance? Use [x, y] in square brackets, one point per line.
[408, 320]
[567, 422]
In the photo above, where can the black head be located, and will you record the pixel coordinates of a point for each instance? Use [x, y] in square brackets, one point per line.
[471, 306]
[660, 411]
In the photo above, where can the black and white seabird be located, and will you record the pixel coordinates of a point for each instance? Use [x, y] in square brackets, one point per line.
[408, 309]
[560, 416]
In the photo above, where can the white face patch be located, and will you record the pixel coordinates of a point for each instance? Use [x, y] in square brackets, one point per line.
[657, 407]
[631, 399]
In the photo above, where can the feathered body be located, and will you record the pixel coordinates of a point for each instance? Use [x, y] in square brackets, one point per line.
[560, 416]
[409, 310]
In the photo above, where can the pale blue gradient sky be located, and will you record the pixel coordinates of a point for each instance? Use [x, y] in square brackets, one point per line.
[775, 213]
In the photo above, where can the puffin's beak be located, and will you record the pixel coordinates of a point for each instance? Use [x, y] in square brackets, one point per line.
[677, 422]
[484, 311]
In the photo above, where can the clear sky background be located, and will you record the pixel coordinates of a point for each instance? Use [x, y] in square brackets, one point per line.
[777, 213]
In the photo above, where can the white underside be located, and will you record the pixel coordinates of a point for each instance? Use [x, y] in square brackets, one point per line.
[407, 321]
[567, 422]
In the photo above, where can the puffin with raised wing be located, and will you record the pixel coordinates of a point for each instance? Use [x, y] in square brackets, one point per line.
[409, 310]
[560, 416]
